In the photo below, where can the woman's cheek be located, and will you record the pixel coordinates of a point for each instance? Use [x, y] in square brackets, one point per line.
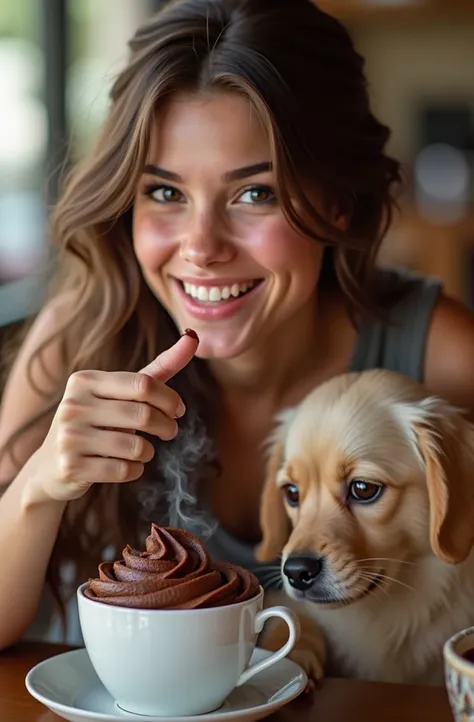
[276, 246]
[152, 241]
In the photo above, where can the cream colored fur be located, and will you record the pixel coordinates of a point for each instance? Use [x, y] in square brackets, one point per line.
[381, 427]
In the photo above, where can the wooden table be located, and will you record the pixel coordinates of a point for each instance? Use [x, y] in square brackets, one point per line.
[335, 700]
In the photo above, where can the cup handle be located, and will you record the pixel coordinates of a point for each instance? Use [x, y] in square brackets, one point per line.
[294, 629]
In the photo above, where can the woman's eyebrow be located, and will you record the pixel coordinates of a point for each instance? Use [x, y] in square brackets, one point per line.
[162, 173]
[229, 177]
[246, 171]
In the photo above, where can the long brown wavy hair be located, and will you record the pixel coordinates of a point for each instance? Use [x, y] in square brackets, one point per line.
[298, 68]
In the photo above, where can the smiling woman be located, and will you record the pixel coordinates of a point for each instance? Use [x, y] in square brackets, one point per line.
[239, 194]
[215, 247]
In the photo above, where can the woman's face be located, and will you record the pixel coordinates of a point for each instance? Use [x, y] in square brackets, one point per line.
[209, 233]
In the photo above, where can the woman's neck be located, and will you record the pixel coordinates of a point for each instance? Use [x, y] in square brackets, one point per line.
[316, 344]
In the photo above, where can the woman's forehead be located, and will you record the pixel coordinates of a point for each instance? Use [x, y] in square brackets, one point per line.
[221, 125]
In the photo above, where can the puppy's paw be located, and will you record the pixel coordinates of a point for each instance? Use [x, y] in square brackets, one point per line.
[309, 661]
[309, 651]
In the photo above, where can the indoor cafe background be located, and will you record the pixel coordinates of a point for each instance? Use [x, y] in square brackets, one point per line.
[58, 59]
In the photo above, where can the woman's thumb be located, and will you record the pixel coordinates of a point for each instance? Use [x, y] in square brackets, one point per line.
[169, 362]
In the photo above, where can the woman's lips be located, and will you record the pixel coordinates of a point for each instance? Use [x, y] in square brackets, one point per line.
[217, 310]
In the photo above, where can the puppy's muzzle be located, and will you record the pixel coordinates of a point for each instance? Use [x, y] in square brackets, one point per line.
[302, 571]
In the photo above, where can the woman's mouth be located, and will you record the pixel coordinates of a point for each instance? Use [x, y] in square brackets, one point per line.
[217, 294]
[217, 301]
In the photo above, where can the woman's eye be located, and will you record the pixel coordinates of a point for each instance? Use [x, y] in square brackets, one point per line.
[257, 195]
[164, 194]
[364, 492]
[292, 495]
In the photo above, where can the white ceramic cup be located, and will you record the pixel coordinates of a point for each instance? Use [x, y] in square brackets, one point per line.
[165, 662]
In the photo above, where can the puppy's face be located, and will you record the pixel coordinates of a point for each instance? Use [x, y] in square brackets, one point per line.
[366, 475]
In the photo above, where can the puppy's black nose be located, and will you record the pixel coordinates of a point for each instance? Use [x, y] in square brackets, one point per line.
[302, 571]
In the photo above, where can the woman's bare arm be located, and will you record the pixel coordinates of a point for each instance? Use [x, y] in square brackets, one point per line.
[28, 529]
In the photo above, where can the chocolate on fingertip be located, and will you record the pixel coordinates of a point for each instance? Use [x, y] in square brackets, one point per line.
[191, 333]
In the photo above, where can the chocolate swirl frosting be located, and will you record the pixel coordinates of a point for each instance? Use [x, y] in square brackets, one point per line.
[175, 572]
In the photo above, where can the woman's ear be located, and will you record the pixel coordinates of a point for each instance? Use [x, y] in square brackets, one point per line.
[274, 521]
[445, 440]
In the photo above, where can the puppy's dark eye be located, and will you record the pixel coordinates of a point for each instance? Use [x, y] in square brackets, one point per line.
[364, 492]
[292, 495]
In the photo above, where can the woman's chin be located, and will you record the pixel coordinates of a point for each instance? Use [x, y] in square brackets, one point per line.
[220, 346]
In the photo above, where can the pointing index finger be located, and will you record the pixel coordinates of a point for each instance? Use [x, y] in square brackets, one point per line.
[169, 362]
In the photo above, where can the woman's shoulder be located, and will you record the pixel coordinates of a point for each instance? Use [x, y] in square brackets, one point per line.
[44, 334]
[442, 328]
[449, 357]
[34, 378]
[431, 337]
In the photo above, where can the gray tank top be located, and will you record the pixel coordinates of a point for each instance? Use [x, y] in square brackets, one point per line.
[398, 346]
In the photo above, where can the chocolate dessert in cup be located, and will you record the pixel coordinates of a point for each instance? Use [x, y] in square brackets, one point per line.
[170, 632]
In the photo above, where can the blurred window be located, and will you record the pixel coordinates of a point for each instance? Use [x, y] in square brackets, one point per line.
[58, 59]
[23, 138]
[98, 34]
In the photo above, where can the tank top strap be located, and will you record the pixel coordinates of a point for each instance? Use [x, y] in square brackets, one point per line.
[399, 345]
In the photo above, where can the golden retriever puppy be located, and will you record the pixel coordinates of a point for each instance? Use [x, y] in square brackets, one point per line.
[369, 500]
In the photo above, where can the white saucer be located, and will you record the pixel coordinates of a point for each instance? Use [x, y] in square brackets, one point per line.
[68, 685]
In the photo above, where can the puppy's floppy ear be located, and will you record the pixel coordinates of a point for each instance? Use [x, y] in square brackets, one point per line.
[274, 521]
[445, 440]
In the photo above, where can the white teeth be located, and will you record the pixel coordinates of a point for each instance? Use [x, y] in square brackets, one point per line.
[215, 294]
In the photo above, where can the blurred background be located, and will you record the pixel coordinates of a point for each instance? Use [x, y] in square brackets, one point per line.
[59, 57]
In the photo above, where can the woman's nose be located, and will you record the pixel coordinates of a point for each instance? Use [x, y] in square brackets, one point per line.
[203, 242]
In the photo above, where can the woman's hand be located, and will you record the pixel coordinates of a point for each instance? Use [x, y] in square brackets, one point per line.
[92, 439]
